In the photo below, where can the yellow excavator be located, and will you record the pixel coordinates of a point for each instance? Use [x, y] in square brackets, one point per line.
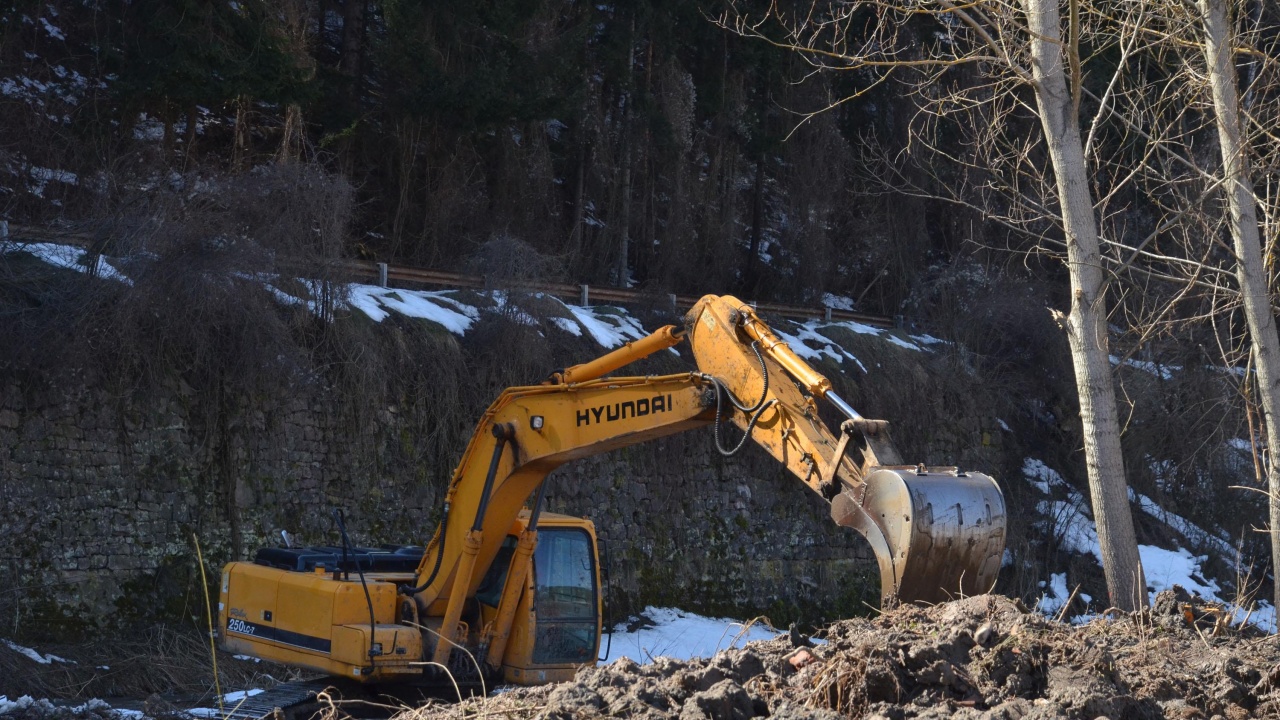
[507, 592]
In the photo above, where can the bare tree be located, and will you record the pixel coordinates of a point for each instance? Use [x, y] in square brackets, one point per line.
[1179, 95]
[1086, 322]
[1243, 222]
[1005, 49]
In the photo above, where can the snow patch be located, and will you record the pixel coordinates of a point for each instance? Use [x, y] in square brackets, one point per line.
[1192, 532]
[837, 302]
[826, 347]
[607, 329]
[42, 659]
[681, 635]
[41, 177]
[1242, 445]
[568, 326]
[1070, 520]
[30, 707]
[378, 302]
[1166, 568]
[1164, 372]
[929, 340]
[54, 31]
[1041, 475]
[1055, 594]
[66, 256]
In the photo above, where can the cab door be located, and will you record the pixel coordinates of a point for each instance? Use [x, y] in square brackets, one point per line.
[557, 626]
[566, 598]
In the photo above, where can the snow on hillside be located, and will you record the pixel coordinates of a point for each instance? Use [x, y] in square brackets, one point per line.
[608, 326]
[1066, 517]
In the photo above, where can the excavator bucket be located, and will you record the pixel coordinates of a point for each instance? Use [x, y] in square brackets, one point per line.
[938, 534]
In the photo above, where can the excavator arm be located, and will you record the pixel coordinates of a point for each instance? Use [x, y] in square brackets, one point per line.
[525, 434]
[937, 533]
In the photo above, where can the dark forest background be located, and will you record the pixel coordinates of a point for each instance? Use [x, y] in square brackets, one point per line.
[629, 143]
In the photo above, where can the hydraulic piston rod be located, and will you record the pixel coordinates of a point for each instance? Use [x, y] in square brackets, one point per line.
[843, 406]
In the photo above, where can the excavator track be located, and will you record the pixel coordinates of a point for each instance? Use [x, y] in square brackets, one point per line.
[301, 699]
[287, 699]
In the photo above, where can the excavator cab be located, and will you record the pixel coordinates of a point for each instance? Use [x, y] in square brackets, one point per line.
[557, 625]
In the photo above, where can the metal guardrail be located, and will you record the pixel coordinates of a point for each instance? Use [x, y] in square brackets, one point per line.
[383, 274]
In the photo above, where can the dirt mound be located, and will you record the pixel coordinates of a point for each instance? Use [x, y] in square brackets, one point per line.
[981, 657]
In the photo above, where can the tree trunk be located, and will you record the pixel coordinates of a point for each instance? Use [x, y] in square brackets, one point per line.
[352, 42]
[624, 220]
[193, 124]
[1248, 246]
[1086, 323]
[751, 278]
[408, 134]
[290, 135]
[170, 142]
[579, 200]
[240, 146]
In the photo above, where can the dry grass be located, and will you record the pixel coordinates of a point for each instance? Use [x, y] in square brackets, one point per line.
[174, 664]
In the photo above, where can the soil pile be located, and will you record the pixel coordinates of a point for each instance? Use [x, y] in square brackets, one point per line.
[980, 657]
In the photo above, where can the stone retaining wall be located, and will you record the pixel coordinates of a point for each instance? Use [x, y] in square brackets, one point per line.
[102, 496]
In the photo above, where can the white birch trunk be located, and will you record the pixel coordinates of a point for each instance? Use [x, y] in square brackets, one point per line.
[1086, 323]
[1244, 233]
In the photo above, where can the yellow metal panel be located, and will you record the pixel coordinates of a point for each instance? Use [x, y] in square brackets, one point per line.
[351, 645]
[251, 592]
[305, 604]
[249, 622]
[290, 617]
[351, 607]
[400, 646]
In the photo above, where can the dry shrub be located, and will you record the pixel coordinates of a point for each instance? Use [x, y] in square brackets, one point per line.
[507, 262]
[204, 258]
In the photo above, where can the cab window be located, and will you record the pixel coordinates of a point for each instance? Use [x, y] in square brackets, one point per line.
[490, 590]
[565, 597]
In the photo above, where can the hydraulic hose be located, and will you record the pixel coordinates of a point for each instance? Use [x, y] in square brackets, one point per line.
[340, 519]
[444, 529]
[504, 433]
[755, 411]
